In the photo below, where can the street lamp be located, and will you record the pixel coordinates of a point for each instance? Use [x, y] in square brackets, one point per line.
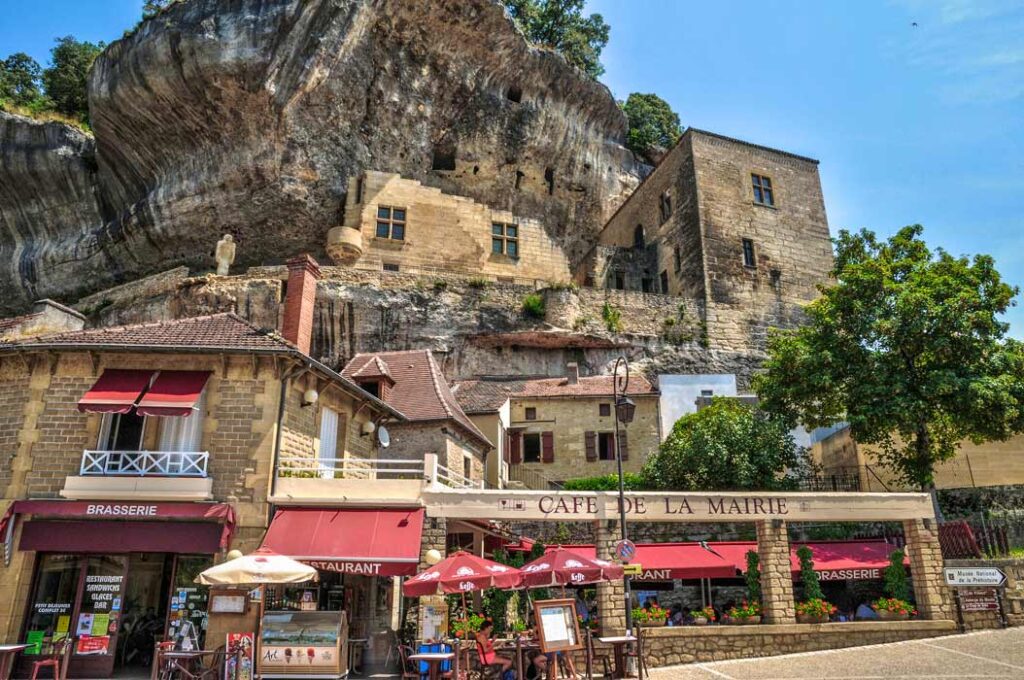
[624, 411]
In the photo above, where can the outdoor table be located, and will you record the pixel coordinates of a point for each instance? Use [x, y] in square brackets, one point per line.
[618, 643]
[183, 664]
[7, 654]
[434, 660]
[353, 645]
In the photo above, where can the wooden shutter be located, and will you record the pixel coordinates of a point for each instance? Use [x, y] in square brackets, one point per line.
[515, 447]
[590, 440]
[623, 445]
[547, 447]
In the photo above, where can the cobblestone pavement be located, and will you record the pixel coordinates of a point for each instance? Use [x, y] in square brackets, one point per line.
[988, 654]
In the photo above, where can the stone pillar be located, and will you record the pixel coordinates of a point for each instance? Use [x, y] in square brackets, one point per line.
[435, 534]
[930, 591]
[611, 606]
[777, 604]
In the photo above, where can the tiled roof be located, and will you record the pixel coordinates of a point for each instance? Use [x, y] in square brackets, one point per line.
[217, 331]
[420, 391]
[376, 368]
[486, 395]
[13, 322]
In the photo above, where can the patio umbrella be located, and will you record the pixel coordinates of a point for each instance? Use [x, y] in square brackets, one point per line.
[262, 566]
[561, 567]
[463, 573]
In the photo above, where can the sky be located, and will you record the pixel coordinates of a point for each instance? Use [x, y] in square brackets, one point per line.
[912, 124]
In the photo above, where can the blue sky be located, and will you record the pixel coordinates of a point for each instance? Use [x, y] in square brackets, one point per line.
[911, 124]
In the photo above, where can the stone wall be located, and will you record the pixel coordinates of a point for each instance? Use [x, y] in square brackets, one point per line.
[409, 441]
[1012, 593]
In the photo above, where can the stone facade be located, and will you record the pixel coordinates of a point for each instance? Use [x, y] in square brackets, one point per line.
[454, 450]
[930, 593]
[1012, 594]
[777, 605]
[611, 595]
[444, 233]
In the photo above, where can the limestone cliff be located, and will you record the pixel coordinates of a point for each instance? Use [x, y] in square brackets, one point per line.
[249, 116]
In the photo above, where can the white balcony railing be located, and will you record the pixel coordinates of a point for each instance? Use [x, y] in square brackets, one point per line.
[144, 463]
[425, 470]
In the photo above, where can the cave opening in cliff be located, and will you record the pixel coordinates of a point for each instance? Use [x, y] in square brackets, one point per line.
[444, 157]
[549, 179]
[519, 178]
[515, 94]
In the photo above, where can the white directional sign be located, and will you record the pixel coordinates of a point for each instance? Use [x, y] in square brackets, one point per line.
[974, 576]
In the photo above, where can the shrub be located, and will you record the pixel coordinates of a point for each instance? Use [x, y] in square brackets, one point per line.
[745, 610]
[533, 305]
[630, 480]
[816, 607]
[753, 576]
[895, 576]
[706, 613]
[612, 318]
[478, 282]
[440, 284]
[812, 589]
[894, 605]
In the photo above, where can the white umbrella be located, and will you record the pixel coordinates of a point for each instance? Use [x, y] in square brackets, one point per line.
[262, 566]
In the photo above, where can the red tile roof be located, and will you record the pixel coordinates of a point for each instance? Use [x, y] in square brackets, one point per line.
[376, 368]
[486, 395]
[420, 391]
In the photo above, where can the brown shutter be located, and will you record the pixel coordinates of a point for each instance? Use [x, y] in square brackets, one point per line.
[590, 439]
[515, 442]
[547, 447]
[623, 445]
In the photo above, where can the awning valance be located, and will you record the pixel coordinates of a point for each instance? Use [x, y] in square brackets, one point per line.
[116, 391]
[667, 561]
[83, 536]
[173, 393]
[350, 541]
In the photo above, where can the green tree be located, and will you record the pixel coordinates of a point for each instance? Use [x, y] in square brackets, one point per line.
[561, 26]
[753, 576]
[19, 79]
[907, 347]
[66, 79]
[812, 588]
[652, 123]
[727, 445]
[895, 576]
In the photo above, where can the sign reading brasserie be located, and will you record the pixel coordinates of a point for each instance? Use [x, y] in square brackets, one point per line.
[677, 507]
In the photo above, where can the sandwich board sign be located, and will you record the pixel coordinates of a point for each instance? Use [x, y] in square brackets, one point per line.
[979, 577]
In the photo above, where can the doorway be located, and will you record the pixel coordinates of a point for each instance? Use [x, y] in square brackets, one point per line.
[145, 608]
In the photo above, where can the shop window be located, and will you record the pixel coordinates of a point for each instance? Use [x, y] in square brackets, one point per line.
[505, 239]
[764, 194]
[531, 448]
[52, 602]
[606, 446]
[531, 413]
[604, 410]
[748, 253]
[391, 223]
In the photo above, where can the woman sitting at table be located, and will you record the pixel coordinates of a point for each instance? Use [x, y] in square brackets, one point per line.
[485, 648]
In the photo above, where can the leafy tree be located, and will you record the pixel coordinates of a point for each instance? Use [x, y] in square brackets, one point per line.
[66, 79]
[727, 445]
[895, 576]
[560, 25]
[908, 348]
[652, 123]
[812, 588]
[753, 576]
[19, 79]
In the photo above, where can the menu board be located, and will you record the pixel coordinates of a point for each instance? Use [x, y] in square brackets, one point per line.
[303, 643]
[557, 625]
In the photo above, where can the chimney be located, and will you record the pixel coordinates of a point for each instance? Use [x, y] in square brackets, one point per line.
[572, 372]
[299, 300]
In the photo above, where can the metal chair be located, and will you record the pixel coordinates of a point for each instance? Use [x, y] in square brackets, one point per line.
[57, 659]
[639, 654]
[486, 671]
[408, 667]
[593, 658]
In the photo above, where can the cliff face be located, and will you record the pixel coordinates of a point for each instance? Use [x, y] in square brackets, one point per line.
[248, 117]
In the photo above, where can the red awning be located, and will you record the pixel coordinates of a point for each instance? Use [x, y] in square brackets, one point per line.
[174, 393]
[120, 536]
[667, 561]
[350, 541]
[116, 391]
[833, 560]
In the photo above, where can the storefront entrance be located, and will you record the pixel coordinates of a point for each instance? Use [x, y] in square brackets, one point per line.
[115, 606]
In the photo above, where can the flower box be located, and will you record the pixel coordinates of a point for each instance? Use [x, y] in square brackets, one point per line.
[700, 621]
[886, 615]
[744, 620]
[812, 618]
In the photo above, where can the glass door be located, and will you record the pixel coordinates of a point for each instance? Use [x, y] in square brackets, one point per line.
[96, 625]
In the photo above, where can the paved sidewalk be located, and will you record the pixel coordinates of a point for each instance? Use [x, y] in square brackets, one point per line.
[988, 654]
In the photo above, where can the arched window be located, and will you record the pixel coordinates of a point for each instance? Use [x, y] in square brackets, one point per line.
[638, 237]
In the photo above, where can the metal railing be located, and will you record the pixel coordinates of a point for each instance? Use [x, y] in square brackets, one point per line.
[456, 480]
[144, 463]
[531, 479]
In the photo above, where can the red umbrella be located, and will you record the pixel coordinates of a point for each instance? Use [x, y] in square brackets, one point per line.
[561, 567]
[462, 572]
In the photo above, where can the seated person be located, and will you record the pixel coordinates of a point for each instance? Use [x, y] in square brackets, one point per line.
[537, 669]
[485, 647]
[865, 612]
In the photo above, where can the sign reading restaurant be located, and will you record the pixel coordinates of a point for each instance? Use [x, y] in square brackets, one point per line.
[676, 506]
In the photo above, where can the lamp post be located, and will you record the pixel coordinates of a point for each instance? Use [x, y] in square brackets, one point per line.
[624, 410]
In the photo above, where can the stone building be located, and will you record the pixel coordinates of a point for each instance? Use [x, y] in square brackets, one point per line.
[396, 224]
[412, 383]
[563, 428]
[739, 227]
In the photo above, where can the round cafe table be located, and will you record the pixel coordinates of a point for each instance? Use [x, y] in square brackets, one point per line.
[434, 660]
[7, 654]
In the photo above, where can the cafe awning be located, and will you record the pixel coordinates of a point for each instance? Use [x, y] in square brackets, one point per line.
[833, 560]
[667, 561]
[349, 541]
[173, 393]
[116, 391]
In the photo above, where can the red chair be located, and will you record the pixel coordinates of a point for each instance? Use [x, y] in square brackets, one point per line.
[57, 659]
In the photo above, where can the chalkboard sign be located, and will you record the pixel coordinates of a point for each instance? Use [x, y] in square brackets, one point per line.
[557, 625]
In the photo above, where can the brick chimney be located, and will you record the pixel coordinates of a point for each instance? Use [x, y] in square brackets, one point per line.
[299, 300]
[572, 372]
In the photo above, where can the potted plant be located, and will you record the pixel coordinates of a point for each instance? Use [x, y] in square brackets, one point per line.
[465, 628]
[893, 609]
[588, 623]
[815, 610]
[655, 616]
[745, 614]
[702, 617]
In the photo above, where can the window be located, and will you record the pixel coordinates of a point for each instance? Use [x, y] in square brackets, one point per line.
[678, 255]
[122, 432]
[56, 590]
[604, 410]
[748, 253]
[707, 393]
[645, 285]
[666, 206]
[639, 239]
[606, 446]
[531, 413]
[505, 239]
[183, 434]
[531, 448]
[327, 454]
[664, 282]
[390, 267]
[620, 282]
[391, 223]
[763, 192]
[467, 467]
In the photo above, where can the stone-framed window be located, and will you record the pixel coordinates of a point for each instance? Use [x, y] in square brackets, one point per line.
[390, 223]
[666, 206]
[606, 446]
[764, 193]
[390, 267]
[531, 413]
[748, 253]
[505, 239]
[531, 447]
[604, 410]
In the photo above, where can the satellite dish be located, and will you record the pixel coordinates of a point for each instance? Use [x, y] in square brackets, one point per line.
[383, 437]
